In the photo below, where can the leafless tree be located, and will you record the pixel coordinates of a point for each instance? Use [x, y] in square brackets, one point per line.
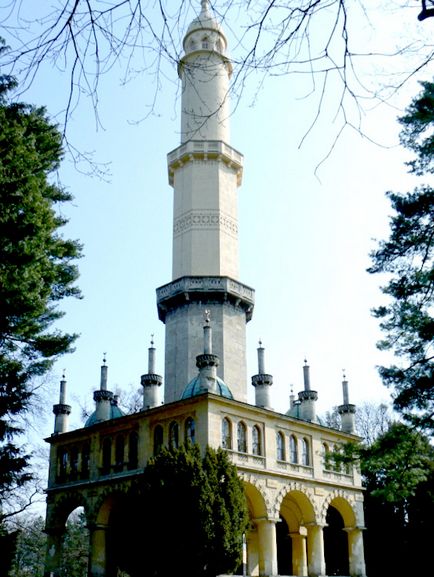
[85, 39]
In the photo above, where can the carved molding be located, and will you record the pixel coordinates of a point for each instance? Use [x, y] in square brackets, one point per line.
[200, 219]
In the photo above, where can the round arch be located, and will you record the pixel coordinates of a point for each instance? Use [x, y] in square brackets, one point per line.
[344, 507]
[59, 510]
[255, 501]
[297, 510]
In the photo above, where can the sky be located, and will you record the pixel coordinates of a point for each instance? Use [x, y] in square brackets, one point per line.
[309, 214]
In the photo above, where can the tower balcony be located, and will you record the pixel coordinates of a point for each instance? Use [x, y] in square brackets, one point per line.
[205, 150]
[204, 289]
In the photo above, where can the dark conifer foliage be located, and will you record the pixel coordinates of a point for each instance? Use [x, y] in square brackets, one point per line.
[191, 512]
[37, 270]
[407, 257]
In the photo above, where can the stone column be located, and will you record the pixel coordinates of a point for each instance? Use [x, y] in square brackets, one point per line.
[53, 557]
[252, 552]
[299, 552]
[267, 547]
[97, 550]
[356, 552]
[315, 551]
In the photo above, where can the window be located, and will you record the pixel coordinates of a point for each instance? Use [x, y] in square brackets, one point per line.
[106, 455]
[63, 464]
[133, 450]
[226, 434]
[85, 461]
[326, 456]
[119, 453]
[74, 462]
[158, 439]
[190, 431]
[280, 445]
[242, 437]
[293, 449]
[205, 44]
[305, 456]
[174, 434]
[256, 441]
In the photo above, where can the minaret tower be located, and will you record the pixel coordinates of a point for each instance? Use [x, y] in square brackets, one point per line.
[205, 172]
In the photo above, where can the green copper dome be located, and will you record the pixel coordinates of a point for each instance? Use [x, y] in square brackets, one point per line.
[194, 388]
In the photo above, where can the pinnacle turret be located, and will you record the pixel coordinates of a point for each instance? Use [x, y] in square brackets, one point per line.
[151, 382]
[262, 381]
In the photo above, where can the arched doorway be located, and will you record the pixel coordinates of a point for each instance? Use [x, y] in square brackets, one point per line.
[335, 544]
[296, 513]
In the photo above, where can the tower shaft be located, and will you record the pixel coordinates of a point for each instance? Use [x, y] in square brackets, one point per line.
[205, 172]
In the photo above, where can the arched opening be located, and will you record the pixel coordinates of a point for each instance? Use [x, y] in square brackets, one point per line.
[226, 433]
[296, 513]
[280, 446]
[106, 455]
[242, 437]
[256, 440]
[335, 544]
[174, 435]
[305, 452]
[284, 548]
[293, 449]
[75, 547]
[190, 430]
[133, 450]
[257, 510]
[119, 453]
[85, 461]
[158, 439]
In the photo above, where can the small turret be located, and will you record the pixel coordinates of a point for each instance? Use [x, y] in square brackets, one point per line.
[207, 363]
[291, 398]
[262, 381]
[347, 411]
[151, 382]
[61, 410]
[103, 398]
[307, 397]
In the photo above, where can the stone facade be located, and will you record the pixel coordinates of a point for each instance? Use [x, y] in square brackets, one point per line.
[280, 459]
[306, 518]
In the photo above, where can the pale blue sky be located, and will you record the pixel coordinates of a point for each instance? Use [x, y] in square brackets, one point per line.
[304, 240]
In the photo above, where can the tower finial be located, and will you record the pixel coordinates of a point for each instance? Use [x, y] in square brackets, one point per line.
[204, 5]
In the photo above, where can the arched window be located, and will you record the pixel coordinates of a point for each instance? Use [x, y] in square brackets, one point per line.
[326, 456]
[226, 434]
[106, 455]
[119, 453]
[205, 43]
[293, 449]
[280, 446]
[133, 450]
[242, 437]
[256, 440]
[190, 430]
[174, 434]
[63, 464]
[305, 453]
[85, 461]
[158, 439]
[74, 462]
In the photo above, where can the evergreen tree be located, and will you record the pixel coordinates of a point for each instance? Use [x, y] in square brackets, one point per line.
[192, 513]
[398, 475]
[36, 271]
[408, 257]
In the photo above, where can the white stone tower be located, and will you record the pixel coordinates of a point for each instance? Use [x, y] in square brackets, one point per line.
[205, 172]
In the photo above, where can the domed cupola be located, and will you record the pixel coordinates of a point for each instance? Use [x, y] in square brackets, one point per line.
[205, 33]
